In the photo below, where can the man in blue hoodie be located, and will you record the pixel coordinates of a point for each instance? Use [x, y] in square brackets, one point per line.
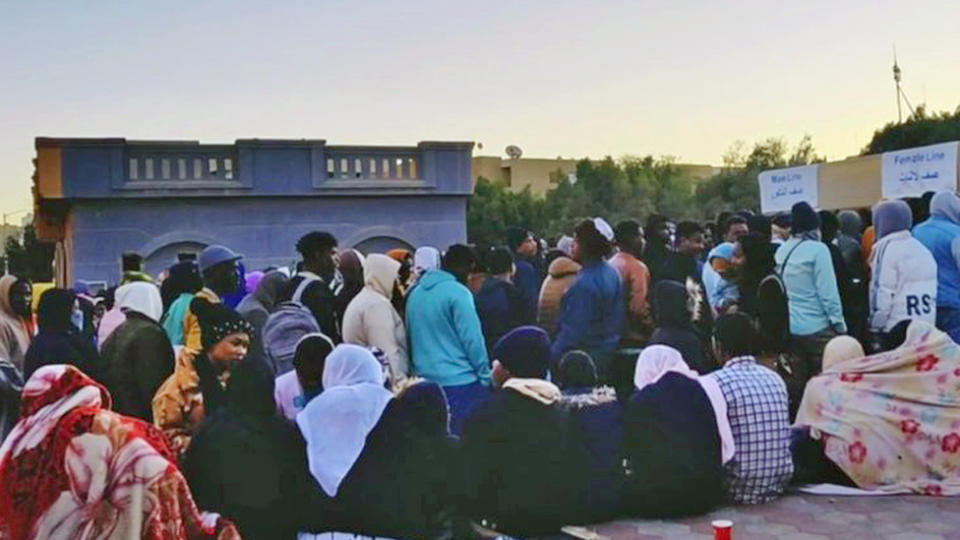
[941, 235]
[446, 339]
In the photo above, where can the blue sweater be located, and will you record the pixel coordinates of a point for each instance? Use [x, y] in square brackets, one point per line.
[942, 237]
[812, 292]
[445, 336]
[591, 314]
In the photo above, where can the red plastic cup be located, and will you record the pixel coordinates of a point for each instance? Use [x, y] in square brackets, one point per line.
[722, 529]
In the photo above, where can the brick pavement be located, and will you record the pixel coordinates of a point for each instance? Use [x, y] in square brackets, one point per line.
[810, 517]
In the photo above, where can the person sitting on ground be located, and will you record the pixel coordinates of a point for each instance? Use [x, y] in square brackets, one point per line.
[196, 388]
[137, 357]
[381, 463]
[72, 468]
[320, 281]
[294, 389]
[371, 320]
[59, 340]
[889, 421]
[903, 273]
[446, 338]
[562, 272]
[597, 421]
[674, 309]
[522, 468]
[501, 305]
[757, 407]
[257, 306]
[593, 310]
[677, 436]
[248, 464]
[636, 282]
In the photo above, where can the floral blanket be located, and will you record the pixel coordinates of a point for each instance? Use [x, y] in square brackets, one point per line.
[891, 421]
[71, 468]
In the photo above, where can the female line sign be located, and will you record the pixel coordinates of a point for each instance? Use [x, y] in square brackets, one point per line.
[915, 171]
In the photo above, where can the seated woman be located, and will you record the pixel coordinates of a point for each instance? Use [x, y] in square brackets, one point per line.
[889, 421]
[674, 310]
[597, 421]
[676, 439]
[380, 462]
[197, 386]
[72, 468]
[246, 462]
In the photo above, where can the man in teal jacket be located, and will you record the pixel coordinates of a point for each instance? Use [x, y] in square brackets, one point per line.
[446, 339]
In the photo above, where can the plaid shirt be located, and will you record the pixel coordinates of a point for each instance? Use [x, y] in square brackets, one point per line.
[757, 407]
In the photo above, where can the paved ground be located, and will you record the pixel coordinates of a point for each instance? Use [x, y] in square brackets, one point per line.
[811, 517]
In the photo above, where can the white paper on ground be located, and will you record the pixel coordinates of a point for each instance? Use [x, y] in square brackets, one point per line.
[834, 489]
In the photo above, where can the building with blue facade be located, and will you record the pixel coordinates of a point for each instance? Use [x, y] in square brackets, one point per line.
[98, 198]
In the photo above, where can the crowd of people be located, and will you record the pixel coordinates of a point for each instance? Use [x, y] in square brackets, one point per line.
[655, 371]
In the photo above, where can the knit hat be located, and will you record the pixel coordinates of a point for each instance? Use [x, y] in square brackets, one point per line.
[803, 218]
[217, 321]
[850, 223]
[524, 351]
[892, 216]
[577, 370]
[829, 225]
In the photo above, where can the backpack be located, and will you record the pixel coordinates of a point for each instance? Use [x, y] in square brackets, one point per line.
[289, 322]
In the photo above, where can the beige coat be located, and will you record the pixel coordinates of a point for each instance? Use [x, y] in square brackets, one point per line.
[14, 330]
[371, 320]
[561, 276]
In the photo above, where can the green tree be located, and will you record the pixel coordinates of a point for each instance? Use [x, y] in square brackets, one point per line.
[32, 259]
[735, 187]
[920, 129]
[493, 208]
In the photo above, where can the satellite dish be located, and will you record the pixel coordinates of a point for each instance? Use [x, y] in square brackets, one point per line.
[514, 151]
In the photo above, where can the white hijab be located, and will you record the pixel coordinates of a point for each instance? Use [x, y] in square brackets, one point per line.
[657, 360]
[336, 423]
[426, 258]
[142, 297]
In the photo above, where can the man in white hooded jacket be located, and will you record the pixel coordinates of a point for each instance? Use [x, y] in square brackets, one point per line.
[371, 320]
[903, 282]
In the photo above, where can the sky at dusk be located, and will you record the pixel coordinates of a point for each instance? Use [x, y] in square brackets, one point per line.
[557, 78]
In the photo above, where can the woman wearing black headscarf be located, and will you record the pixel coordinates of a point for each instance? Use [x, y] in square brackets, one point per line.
[754, 258]
[246, 463]
[673, 310]
[59, 340]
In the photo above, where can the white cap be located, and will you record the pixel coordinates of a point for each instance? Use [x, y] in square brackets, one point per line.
[603, 228]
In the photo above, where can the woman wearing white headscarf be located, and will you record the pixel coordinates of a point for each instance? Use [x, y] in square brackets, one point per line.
[424, 259]
[138, 356]
[676, 438]
[379, 461]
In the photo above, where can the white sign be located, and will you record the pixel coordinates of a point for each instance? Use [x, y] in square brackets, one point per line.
[915, 171]
[780, 189]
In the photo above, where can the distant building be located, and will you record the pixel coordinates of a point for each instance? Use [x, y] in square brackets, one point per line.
[9, 231]
[98, 198]
[543, 174]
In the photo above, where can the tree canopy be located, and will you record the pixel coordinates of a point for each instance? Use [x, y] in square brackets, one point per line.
[920, 129]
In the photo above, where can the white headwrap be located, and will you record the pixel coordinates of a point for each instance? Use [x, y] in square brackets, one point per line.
[142, 297]
[426, 258]
[657, 360]
[336, 423]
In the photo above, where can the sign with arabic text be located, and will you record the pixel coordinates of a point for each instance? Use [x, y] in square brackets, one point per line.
[915, 171]
[780, 189]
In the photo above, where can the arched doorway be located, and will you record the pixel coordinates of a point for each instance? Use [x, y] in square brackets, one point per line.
[381, 244]
[164, 257]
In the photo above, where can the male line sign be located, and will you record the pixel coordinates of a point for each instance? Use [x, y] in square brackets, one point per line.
[780, 189]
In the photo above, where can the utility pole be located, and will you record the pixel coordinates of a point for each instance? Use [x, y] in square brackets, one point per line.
[896, 80]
